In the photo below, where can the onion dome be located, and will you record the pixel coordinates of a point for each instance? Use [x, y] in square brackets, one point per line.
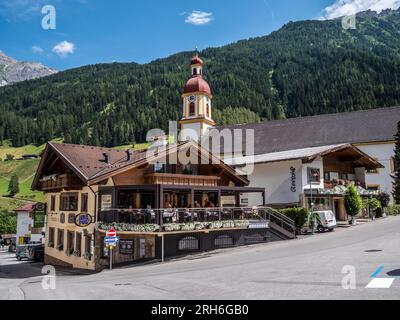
[197, 84]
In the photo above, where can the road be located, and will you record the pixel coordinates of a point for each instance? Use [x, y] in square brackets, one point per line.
[305, 268]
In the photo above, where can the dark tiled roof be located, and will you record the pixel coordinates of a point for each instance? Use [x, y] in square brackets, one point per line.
[348, 127]
[88, 160]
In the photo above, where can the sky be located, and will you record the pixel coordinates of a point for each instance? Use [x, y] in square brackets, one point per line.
[64, 34]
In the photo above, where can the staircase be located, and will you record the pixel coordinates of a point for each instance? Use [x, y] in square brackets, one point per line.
[280, 225]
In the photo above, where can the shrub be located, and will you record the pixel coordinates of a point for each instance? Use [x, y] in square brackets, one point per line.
[299, 215]
[384, 199]
[375, 207]
[393, 210]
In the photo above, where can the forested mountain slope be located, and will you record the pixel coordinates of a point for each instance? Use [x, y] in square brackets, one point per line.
[305, 68]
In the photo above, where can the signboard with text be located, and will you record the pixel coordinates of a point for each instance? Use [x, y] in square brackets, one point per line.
[39, 215]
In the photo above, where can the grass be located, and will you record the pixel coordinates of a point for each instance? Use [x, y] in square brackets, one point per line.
[10, 204]
[17, 152]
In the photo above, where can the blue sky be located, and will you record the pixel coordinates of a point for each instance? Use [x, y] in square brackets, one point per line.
[92, 31]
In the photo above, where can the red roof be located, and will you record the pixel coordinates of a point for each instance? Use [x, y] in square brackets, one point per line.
[197, 84]
[26, 207]
[196, 60]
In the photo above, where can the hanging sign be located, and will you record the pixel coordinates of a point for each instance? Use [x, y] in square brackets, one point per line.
[39, 215]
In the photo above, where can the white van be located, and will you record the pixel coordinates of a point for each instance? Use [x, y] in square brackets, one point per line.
[327, 220]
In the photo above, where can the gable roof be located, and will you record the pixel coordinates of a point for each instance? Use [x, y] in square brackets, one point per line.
[307, 155]
[87, 162]
[375, 125]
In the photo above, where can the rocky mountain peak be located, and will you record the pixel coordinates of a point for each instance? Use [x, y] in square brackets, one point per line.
[12, 71]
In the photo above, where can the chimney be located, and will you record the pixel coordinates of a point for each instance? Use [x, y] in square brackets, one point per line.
[129, 155]
[107, 157]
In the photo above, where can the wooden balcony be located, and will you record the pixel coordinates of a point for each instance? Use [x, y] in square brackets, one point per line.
[182, 179]
[63, 181]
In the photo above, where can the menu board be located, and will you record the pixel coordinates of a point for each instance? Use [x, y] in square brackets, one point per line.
[125, 246]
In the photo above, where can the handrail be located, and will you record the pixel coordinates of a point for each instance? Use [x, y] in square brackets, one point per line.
[263, 213]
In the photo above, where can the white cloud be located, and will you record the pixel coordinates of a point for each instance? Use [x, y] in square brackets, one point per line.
[37, 49]
[350, 7]
[199, 18]
[64, 48]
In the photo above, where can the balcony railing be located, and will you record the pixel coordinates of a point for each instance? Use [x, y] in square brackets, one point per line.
[59, 182]
[197, 218]
[182, 179]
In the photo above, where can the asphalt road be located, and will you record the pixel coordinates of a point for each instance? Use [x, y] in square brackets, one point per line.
[306, 268]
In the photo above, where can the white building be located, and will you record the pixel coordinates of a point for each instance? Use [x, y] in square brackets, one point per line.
[369, 131]
[286, 176]
[26, 233]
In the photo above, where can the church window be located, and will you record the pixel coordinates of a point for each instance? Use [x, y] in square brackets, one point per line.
[208, 110]
[192, 110]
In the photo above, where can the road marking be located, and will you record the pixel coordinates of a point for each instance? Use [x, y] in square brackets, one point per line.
[377, 271]
[380, 283]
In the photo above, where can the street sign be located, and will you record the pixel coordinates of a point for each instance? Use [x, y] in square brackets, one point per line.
[109, 240]
[111, 233]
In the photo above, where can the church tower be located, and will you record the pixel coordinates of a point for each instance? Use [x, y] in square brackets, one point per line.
[197, 116]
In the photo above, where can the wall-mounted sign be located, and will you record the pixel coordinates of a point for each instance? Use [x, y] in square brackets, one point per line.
[293, 179]
[314, 175]
[39, 215]
[126, 246]
[83, 220]
[106, 201]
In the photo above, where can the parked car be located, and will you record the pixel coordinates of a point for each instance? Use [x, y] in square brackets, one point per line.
[327, 220]
[36, 252]
[22, 252]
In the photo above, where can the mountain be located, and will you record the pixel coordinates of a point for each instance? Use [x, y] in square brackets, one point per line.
[304, 68]
[12, 71]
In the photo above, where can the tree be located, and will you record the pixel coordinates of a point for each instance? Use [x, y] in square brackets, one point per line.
[352, 201]
[396, 176]
[13, 186]
[8, 222]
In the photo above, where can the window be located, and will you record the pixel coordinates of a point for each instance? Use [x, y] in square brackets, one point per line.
[106, 201]
[192, 109]
[53, 203]
[223, 241]
[194, 71]
[70, 242]
[342, 176]
[87, 245]
[373, 187]
[373, 171]
[188, 243]
[208, 110]
[78, 243]
[62, 217]
[158, 167]
[84, 202]
[393, 165]
[50, 242]
[60, 239]
[326, 176]
[71, 218]
[69, 201]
